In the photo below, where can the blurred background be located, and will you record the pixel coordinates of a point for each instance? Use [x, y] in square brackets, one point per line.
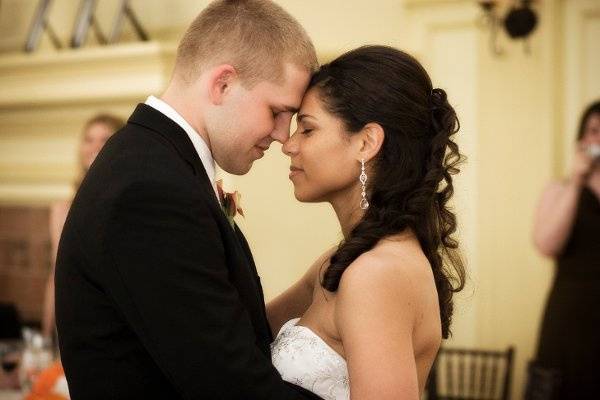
[518, 100]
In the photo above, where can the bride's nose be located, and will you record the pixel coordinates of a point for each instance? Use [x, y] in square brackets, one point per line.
[290, 147]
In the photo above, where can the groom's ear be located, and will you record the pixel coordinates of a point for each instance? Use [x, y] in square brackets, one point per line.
[370, 140]
[220, 80]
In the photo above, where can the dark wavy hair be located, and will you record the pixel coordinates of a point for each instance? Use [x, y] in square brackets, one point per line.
[592, 109]
[410, 182]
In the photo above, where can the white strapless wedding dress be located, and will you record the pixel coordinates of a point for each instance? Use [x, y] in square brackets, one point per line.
[304, 359]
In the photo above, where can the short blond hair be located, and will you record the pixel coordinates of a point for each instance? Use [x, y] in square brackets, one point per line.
[257, 37]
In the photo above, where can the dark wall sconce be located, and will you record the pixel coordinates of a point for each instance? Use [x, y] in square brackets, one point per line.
[519, 22]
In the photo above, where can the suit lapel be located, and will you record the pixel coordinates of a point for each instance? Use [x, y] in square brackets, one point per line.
[240, 260]
[150, 118]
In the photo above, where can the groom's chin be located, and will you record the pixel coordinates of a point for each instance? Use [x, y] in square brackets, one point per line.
[240, 171]
[237, 169]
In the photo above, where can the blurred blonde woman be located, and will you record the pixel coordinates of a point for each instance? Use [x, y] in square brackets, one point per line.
[567, 229]
[96, 132]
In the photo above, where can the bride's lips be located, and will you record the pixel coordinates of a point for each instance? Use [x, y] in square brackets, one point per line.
[295, 171]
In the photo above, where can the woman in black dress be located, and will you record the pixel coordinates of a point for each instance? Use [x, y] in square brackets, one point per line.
[567, 228]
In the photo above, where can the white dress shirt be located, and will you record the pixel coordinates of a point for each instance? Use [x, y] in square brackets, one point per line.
[199, 144]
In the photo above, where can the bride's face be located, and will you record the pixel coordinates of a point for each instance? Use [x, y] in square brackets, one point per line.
[323, 157]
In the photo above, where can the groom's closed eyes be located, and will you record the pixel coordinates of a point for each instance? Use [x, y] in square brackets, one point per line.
[282, 109]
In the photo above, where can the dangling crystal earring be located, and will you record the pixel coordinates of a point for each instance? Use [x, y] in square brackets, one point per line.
[364, 204]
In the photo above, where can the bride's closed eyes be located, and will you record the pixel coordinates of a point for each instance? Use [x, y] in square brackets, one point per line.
[304, 126]
[304, 130]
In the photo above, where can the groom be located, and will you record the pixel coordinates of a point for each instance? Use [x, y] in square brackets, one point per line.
[157, 296]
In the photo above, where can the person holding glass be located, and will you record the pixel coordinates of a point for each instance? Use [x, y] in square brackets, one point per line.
[567, 229]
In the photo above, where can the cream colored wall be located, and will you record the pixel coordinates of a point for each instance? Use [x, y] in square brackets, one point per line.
[581, 25]
[517, 132]
[513, 134]
[439, 32]
[45, 100]
[516, 116]
[525, 145]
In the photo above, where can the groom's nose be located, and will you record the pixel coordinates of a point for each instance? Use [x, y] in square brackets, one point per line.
[281, 136]
[281, 133]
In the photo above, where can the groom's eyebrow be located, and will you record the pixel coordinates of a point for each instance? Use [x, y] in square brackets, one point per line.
[291, 109]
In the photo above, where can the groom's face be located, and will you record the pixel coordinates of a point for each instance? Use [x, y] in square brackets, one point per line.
[254, 118]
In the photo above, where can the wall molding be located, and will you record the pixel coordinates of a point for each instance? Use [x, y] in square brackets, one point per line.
[47, 96]
[125, 71]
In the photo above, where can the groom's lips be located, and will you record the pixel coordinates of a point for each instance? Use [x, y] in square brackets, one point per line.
[261, 150]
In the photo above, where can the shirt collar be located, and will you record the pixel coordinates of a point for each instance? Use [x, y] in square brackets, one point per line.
[199, 144]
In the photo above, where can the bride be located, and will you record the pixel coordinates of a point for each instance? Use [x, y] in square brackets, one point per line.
[374, 140]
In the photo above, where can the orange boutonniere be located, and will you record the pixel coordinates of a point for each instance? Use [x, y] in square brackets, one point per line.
[230, 202]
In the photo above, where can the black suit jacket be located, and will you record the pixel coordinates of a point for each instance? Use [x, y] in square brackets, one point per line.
[157, 296]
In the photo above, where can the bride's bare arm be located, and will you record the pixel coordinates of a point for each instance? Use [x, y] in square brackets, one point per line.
[294, 301]
[376, 312]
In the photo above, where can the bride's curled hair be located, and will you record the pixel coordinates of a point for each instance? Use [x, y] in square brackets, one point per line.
[410, 181]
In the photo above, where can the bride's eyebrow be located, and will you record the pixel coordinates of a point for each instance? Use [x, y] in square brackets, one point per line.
[302, 116]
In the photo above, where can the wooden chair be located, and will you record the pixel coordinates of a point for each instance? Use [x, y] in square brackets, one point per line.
[470, 374]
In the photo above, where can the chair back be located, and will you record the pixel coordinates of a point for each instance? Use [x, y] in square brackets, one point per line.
[469, 374]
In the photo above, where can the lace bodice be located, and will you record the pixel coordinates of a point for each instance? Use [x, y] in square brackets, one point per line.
[304, 359]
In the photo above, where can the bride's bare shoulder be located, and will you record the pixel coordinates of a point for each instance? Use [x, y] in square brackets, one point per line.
[399, 254]
[397, 263]
[387, 289]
